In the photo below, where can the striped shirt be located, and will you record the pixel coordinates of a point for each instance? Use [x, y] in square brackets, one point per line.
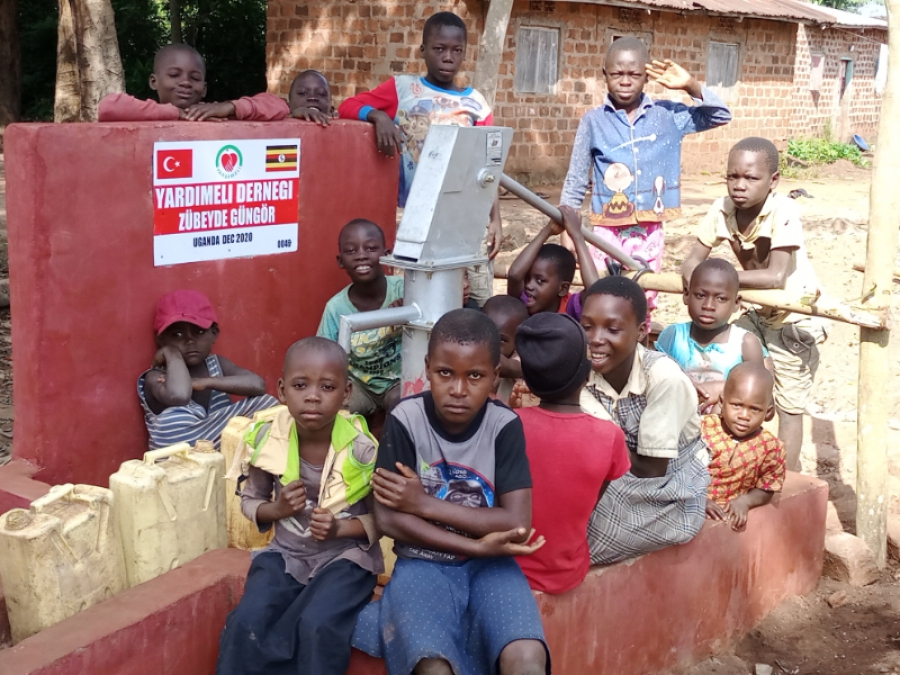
[192, 422]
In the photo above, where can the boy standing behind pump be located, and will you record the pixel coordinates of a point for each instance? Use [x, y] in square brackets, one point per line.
[179, 79]
[404, 108]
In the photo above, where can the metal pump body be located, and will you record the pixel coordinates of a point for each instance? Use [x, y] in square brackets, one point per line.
[440, 234]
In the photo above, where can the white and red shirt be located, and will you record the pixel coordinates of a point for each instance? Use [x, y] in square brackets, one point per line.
[415, 104]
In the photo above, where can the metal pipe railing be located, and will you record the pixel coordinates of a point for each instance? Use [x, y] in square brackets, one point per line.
[555, 214]
[379, 318]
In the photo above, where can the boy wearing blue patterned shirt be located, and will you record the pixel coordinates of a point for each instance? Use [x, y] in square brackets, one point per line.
[633, 146]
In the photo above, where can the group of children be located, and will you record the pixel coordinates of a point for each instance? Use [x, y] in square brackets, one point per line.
[608, 449]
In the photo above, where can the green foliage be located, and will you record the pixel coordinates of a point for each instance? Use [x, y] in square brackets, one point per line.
[230, 34]
[824, 151]
[846, 5]
[37, 39]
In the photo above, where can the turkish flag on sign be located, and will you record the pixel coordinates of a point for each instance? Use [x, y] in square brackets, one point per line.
[175, 163]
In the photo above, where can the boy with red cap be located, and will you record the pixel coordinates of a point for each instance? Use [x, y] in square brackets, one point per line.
[186, 394]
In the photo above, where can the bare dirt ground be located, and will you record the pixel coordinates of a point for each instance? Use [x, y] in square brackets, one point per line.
[862, 636]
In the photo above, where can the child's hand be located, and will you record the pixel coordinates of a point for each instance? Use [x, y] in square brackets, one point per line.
[311, 115]
[387, 134]
[714, 511]
[400, 491]
[396, 303]
[199, 383]
[737, 510]
[322, 524]
[571, 222]
[497, 544]
[291, 500]
[670, 75]
[200, 112]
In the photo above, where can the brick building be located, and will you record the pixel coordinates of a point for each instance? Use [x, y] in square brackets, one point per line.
[786, 68]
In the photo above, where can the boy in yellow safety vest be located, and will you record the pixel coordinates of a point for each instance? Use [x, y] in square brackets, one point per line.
[307, 473]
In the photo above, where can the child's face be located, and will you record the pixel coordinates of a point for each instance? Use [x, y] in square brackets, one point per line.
[361, 249]
[543, 288]
[746, 403]
[310, 91]
[711, 299]
[626, 75]
[613, 333]
[749, 179]
[507, 325]
[444, 51]
[314, 387]
[194, 343]
[462, 377]
[180, 79]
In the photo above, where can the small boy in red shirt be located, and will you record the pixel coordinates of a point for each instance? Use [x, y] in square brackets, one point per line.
[179, 79]
[573, 455]
[747, 465]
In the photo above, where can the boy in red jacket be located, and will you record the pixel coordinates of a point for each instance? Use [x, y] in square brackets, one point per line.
[179, 79]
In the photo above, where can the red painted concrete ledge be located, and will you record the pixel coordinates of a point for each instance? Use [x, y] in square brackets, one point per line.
[639, 617]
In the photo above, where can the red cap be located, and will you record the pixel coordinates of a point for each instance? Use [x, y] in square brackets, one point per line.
[190, 306]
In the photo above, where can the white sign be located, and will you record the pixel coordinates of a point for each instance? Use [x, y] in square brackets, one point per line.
[214, 200]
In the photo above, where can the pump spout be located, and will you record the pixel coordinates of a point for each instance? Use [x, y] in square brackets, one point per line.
[555, 215]
[379, 318]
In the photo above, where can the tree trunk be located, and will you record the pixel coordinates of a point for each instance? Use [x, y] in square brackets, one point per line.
[490, 48]
[175, 20]
[11, 81]
[67, 99]
[874, 354]
[88, 62]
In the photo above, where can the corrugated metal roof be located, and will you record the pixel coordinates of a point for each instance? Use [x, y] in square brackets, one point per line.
[784, 10]
[851, 20]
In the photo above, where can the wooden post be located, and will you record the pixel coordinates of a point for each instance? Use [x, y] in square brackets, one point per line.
[874, 357]
[490, 48]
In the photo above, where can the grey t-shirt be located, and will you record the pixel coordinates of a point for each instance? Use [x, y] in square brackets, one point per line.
[470, 469]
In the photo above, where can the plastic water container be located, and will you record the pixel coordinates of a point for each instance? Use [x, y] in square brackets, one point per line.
[242, 533]
[59, 557]
[170, 508]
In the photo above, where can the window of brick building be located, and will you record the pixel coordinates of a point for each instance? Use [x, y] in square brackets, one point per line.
[722, 68]
[846, 75]
[816, 71]
[537, 55]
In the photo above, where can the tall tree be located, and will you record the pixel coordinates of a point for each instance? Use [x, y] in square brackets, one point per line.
[11, 80]
[846, 5]
[175, 20]
[88, 63]
[490, 48]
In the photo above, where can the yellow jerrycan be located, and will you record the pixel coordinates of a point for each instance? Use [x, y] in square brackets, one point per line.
[169, 507]
[242, 533]
[59, 557]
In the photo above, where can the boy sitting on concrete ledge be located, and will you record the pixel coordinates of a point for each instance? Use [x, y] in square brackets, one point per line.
[186, 394]
[453, 489]
[747, 465]
[179, 79]
[305, 590]
[374, 353]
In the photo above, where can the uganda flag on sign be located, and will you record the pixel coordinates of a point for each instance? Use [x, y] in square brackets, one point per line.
[281, 157]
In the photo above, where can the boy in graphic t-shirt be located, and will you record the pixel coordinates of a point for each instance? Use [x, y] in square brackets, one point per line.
[453, 489]
[404, 107]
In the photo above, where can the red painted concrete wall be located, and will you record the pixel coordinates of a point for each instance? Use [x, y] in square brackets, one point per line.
[84, 288]
[169, 625]
[639, 617]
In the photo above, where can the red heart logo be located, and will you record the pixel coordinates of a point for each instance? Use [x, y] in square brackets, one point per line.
[229, 161]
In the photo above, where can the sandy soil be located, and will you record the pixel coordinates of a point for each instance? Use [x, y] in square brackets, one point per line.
[862, 636]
